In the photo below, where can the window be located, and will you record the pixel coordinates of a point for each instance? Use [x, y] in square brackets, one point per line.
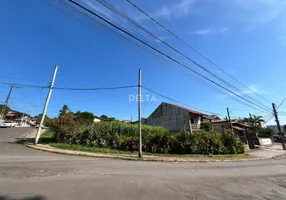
[192, 120]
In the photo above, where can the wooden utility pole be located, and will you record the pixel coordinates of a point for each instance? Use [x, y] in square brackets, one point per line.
[278, 125]
[139, 113]
[46, 105]
[6, 103]
[229, 120]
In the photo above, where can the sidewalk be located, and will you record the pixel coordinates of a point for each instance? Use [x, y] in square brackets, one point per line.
[257, 154]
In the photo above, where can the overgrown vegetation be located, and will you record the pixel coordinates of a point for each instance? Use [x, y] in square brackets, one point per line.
[124, 137]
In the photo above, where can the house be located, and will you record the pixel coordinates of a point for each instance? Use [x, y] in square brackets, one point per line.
[17, 116]
[97, 119]
[127, 121]
[239, 129]
[176, 118]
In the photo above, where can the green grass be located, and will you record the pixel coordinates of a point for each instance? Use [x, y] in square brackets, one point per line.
[114, 151]
[46, 137]
[89, 149]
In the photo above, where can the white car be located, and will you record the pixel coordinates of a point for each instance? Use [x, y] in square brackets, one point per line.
[7, 124]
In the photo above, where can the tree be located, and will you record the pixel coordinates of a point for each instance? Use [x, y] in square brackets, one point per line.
[64, 127]
[65, 109]
[104, 117]
[4, 108]
[84, 118]
[39, 117]
[266, 132]
[257, 120]
[206, 126]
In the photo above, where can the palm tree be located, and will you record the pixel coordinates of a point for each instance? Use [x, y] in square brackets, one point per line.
[257, 120]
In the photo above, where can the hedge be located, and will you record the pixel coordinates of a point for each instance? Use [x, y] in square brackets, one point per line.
[117, 135]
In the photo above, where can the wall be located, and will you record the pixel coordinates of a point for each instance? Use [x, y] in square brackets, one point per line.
[171, 117]
[218, 126]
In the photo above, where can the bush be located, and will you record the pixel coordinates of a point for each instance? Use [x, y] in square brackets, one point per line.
[117, 135]
[64, 127]
[206, 126]
[266, 132]
[232, 145]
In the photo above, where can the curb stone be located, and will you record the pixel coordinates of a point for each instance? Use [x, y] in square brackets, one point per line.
[51, 149]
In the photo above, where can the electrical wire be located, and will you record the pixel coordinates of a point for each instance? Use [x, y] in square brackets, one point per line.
[171, 99]
[22, 85]
[160, 52]
[281, 103]
[144, 49]
[114, 10]
[99, 88]
[195, 50]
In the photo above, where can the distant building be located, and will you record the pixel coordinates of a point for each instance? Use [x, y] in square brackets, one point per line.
[175, 118]
[17, 116]
[239, 129]
[275, 128]
[97, 119]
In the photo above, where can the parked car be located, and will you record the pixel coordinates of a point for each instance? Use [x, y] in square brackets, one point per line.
[37, 126]
[8, 124]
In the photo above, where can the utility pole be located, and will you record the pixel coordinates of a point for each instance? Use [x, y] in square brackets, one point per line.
[229, 120]
[139, 113]
[191, 128]
[6, 102]
[46, 105]
[278, 125]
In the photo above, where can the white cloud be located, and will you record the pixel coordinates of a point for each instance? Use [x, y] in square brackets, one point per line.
[260, 11]
[178, 10]
[209, 31]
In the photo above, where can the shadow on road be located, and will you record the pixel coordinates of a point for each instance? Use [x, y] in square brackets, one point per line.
[24, 198]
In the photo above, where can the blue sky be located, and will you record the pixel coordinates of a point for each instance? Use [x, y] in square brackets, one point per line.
[245, 38]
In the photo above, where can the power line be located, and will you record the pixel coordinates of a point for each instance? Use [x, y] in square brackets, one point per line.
[281, 103]
[114, 10]
[171, 99]
[73, 10]
[195, 50]
[160, 52]
[21, 79]
[23, 85]
[99, 88]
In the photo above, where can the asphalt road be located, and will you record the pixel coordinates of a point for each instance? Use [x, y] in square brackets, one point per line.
[28, 173]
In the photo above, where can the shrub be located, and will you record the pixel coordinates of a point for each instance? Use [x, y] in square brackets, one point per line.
[117, 135]
[232, 145]
[64, 127]
[266, 132]
[206, 126]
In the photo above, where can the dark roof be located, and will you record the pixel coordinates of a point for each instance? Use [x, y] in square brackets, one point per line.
[206, 116]
[238, 128]
[187, 109]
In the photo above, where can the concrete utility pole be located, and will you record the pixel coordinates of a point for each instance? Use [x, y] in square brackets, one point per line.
[139, 113]
[229, 120]
[6, 103]
[278, 125]
[46, 105]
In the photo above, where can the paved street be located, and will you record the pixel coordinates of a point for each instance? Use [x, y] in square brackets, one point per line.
[28, 173]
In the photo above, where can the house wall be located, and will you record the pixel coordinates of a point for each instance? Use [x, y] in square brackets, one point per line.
[218, 127]
[171, 117]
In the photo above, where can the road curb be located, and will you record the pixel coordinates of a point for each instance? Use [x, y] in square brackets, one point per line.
[50, 149]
